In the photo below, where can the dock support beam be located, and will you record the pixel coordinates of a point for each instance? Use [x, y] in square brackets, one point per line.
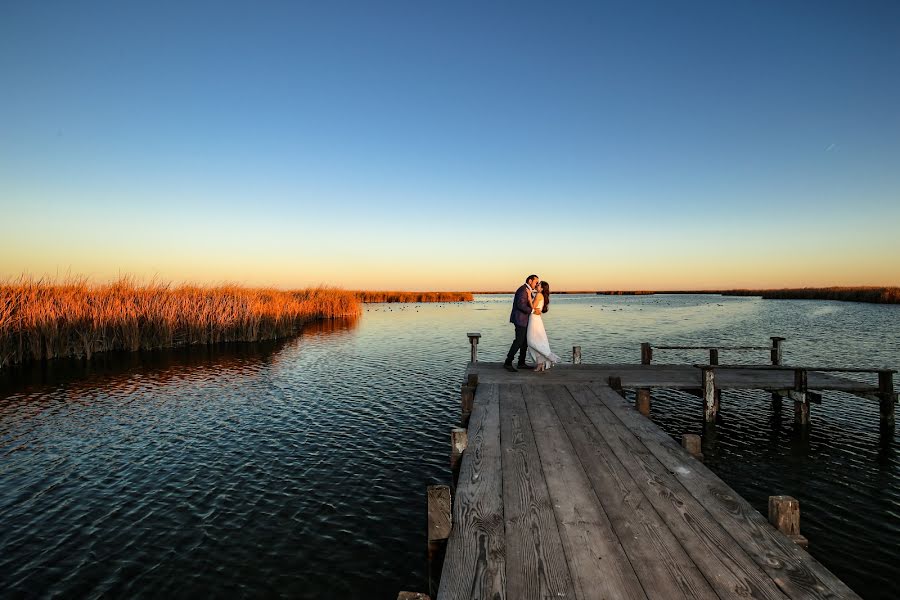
[615, 382]
[646, 353]
[801, 398]
[459, 440]
[693, 444]
[642, 401]
[439, 525]
[473, 343]
[576, 355]
[776, 350]
[710, 398]
[784, 514]
[887, 397]
[467, 399]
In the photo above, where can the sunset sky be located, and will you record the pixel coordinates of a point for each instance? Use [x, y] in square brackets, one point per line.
[454, 145]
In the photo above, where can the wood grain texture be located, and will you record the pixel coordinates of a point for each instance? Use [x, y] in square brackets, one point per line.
[535, 562]
[792, 569]
[663, 567]
[474, 566]
[597, 562]
[727, 568]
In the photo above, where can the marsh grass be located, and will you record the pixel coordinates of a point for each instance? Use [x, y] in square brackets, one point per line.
[42, 319]
[877, 295]
[368, 297]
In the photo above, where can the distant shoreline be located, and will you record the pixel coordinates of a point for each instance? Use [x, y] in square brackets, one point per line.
[874, 295]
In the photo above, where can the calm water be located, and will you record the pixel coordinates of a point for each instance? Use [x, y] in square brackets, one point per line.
[298, 468]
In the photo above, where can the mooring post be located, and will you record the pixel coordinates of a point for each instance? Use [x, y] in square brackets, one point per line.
[801, 398]
[886, 397]
[710, 400]
[642, 401]
[472, 380]
[776, 350]
[693, 444]
[576, 355]
[439, 525]
[467, 399]
[459, 439]
[714, 356]
[473, 342]
[784, 514]
[646, 353]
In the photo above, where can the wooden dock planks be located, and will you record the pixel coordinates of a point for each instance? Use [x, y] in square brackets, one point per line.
[565, 491]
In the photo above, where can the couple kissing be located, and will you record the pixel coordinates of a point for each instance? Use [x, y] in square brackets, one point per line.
[532, 299]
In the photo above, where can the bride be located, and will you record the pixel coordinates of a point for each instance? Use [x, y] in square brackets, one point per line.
[538, 345]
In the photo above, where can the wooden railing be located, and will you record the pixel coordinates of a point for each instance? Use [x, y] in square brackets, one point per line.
[775, 351]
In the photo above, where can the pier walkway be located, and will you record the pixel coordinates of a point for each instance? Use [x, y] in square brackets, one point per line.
[566, 491]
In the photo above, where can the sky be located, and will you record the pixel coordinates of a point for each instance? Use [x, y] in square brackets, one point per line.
[452, 145]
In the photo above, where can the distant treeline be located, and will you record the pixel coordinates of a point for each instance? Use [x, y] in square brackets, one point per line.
[626, 293]
[878, 295]
[369, 297]
[42, 319]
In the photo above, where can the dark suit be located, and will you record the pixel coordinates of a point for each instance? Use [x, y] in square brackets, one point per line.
[521, 311]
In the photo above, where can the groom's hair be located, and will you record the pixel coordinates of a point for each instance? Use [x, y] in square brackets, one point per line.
[530, 277]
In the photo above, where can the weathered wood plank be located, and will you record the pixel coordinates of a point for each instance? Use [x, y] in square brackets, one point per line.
[795, 572]
[597, 562]
[663, 567]
[728, 569]
[474, 564]
[535, 562]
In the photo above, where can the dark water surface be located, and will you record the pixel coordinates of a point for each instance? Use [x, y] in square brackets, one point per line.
[298, 468]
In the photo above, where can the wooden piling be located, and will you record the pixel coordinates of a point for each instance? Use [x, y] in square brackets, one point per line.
[413, 596]
[615, 382]
[710, 399]
[886, 397]
[459, 439]
[439, 526]
[473, 342]
[646, 353]
[642, 401]
[472, 380]
[784, 514]
[693, 444]
[776, 350]
[714, 356]
[576, 355]
[801, 398]
[467, 400]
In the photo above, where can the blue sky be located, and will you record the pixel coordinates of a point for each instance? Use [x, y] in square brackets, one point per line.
[453, 145]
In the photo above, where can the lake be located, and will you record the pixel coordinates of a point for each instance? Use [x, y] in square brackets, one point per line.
[298, 468]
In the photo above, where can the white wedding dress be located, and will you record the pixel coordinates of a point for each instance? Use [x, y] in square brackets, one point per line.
[538, 344]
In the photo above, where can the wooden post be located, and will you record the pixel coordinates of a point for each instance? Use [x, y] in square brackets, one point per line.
[776, 400]
[473, 342]
[413, 596]
[472, 380]
[615, 383]
[576, 355]
[801, 398]
[693, 444]
[467, 399]
[459, 439]
[886, 397]
[713, 356]
[642, 401]
[646, 353]
[784, 514]
[439, 525]
[776, 350]
[710, 400]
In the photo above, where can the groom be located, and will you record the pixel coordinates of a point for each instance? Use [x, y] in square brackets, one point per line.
[521, 311]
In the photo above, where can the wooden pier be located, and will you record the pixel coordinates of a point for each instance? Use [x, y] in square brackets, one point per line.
[564, 490]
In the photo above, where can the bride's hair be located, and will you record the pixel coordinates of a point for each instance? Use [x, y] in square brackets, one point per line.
[545, 290]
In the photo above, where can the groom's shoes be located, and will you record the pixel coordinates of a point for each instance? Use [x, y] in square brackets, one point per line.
[522, 365]
[510, 368]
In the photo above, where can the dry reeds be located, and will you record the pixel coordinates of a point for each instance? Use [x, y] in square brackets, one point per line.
[369, 297]
[42, 319]
[877, 295]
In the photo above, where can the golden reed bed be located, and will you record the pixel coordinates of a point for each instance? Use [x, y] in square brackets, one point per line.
[42, 319]
[877, 295]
